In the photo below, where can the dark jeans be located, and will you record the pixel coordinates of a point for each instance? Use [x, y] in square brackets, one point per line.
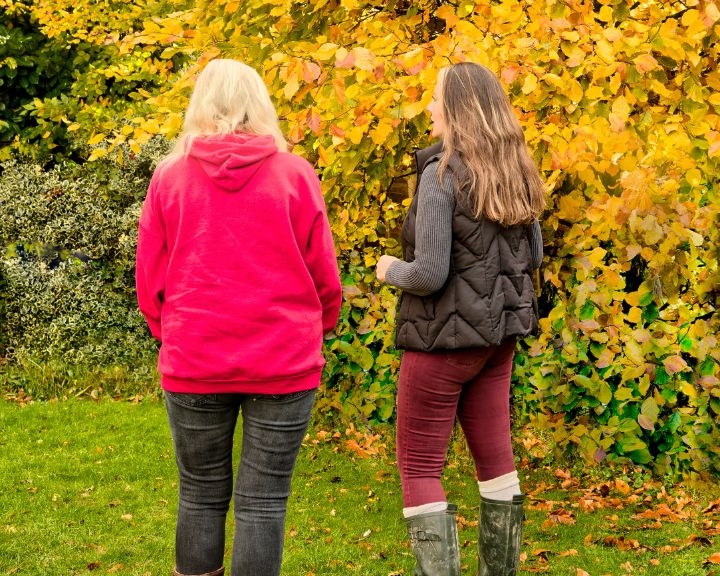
[433, 389]
[202, 427]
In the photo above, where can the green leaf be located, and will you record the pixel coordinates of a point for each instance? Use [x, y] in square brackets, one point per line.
[642, 456]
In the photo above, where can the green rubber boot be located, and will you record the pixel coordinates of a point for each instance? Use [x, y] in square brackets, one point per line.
[499, 536]
[434, 540]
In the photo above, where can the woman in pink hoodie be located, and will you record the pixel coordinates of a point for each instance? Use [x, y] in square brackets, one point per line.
[237, 277]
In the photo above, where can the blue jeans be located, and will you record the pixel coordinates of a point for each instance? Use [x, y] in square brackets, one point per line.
[202, 428]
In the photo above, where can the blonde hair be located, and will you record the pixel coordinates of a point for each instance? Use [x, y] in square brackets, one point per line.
[229, 96]
[501, 181]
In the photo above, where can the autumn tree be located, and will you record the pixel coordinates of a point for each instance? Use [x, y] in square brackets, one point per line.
[619, 101]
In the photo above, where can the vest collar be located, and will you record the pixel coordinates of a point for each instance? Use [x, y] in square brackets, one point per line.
[423, 156]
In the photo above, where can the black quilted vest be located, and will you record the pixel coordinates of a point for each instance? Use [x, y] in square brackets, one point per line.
[488, 295]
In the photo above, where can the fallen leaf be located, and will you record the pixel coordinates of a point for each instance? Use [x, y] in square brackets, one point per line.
[571, 552]
[622, 486]
[542, 552]
[699, 539]
[562, 474]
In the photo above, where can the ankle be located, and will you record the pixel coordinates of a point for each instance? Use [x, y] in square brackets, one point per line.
[502, 488]
[424, 509]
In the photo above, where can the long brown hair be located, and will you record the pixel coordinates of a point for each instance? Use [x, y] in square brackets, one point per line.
[501, 181]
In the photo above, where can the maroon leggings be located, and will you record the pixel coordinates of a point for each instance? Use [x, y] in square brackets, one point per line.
[433, 388]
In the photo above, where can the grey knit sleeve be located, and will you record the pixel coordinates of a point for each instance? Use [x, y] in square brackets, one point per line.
[433, 238]
[536, 245]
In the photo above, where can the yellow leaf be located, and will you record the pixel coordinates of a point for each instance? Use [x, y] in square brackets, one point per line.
[291, 87]
[73, 127]
[173, 124]
[605, 14]
[596, 256]
[326, 51]
[151, 126]
[694, 177]
[594, 93]
[605, 51]
[688, 389]
[712, 12]
[634, 352]
[634, 315]
[530, 83]
[645, 63]
[380, 133]
[573, 89]
[620, 113]
[570, 208]
[231, 7]
[690, 17]
[364, 59]
[652, 231]
[97, 153]
[356, 134]
[413, 58]
[633, 298]
[575, 56]
[96, 139]
[413, 109]
[447, 13]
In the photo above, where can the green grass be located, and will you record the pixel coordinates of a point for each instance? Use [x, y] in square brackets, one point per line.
[90, 487]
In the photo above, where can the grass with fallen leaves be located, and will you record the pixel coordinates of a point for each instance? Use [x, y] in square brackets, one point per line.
[90, 487]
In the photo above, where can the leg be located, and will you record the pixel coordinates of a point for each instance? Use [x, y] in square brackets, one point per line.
[273, 430]
[427, 400]
[202, 427]
[484, 414]
[428, 391]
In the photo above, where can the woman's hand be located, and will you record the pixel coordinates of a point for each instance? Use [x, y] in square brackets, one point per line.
[382, 266]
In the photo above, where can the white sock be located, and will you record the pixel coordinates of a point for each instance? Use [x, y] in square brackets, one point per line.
[501, 488]
[424, 509]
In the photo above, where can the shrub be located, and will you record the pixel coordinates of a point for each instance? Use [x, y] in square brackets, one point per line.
[70, 235]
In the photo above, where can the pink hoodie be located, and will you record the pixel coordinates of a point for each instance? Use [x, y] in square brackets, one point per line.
[236, 269]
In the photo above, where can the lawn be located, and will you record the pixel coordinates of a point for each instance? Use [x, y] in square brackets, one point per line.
[90, 487]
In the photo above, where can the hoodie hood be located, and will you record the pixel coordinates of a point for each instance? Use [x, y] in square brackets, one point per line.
[231, 160]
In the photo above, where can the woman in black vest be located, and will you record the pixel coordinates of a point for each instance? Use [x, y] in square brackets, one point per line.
[470, 241]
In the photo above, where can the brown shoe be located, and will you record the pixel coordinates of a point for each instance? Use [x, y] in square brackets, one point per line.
[219, 572]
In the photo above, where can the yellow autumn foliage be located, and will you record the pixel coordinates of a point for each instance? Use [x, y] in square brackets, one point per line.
[620, 102]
